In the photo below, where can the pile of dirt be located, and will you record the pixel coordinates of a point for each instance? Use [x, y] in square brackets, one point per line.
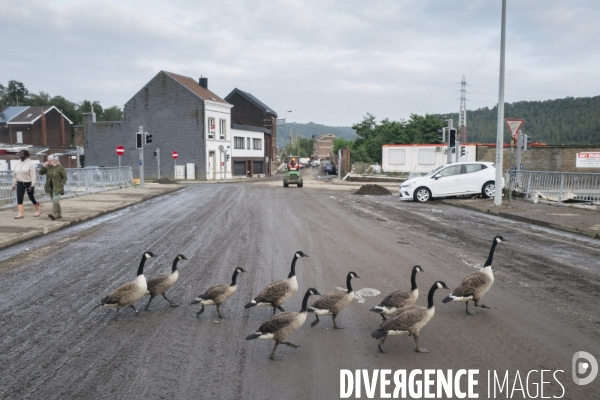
[372, 189]
[167, 181]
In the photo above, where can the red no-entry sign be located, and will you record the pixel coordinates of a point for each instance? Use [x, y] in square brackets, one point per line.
[120, 150]
[175, 155]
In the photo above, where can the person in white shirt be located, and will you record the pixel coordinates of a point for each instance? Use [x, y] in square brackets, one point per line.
[24, 181]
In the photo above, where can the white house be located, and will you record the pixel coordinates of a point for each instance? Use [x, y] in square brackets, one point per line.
[419, 157]
[218, 140]
[248, 151]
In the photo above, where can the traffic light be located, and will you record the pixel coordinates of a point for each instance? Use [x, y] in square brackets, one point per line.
[228, 157]
[442, 135]
[155, 153]
[463, 151]
[526, 142]
[139, 143]
[452, 137]
[148, 138]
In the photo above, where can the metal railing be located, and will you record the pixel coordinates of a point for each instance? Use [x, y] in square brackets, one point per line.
[556, 186]
[79, 180]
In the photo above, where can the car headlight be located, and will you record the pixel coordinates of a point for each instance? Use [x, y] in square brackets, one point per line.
[406, 186]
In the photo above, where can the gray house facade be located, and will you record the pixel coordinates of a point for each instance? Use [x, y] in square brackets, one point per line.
[179, 112]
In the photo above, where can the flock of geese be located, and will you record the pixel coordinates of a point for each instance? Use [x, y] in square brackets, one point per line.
[398, 310]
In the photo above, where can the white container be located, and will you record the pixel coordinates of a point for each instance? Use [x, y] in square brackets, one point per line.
[180, 172]
[191, 171]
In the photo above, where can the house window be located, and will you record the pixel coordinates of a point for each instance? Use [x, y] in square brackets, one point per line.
[222, 129]
[396, 156]
[19, 137]
[248, 143]
[427, 156]
[211, 128]
[257, 144]
[238, 142]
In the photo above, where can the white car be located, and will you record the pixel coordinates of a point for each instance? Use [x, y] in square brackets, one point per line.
[454, 179]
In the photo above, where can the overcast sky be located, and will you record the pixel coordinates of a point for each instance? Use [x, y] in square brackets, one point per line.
[329, 62]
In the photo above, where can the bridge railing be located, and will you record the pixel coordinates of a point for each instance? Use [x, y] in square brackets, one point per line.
[556, 186]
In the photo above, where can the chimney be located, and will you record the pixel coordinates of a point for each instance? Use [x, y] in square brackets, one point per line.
[203, 82]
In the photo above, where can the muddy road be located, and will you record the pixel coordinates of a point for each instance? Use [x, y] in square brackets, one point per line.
[544, 303]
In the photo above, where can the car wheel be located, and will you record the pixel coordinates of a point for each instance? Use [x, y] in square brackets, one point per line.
[422, 195]
[489, 189]
[285, 184]
[300, 184]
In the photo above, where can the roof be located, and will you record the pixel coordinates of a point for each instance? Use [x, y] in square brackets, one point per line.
[195, 87]
[31, 114]
[252, 100]
[250, 128]
[10, 112]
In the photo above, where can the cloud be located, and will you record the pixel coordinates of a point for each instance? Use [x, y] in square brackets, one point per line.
[330, 61]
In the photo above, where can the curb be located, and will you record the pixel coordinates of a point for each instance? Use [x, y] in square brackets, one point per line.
[531, 221]
[67, 224]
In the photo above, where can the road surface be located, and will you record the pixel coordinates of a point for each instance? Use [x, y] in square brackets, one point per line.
[544, 303]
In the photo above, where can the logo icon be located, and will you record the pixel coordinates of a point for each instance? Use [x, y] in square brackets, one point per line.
[581, 367]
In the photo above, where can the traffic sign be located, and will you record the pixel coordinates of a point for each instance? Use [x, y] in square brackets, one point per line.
[120, 150]
[514, 125]
[175, 155]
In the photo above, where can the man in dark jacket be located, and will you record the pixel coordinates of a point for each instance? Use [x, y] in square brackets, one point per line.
[56, 177]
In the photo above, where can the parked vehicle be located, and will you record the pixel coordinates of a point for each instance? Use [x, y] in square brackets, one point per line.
[329, 168]
[455, 179]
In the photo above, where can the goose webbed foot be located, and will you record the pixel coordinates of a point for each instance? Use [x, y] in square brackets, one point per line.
[292, 345]
[172, 303]
[335, 325]
[272, 356]
[148, 305]
[417, 348]
[116, 315]
[136, 311]
[484, 306]
[219, 312]
[316, 321]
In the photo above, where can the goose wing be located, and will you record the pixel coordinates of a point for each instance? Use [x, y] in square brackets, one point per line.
[213, 292]
[328, 301]
[470, 284]
[397, 299]
[154, 282]
[278, 322]
[272, 292]
[405, 320]
[119, 293]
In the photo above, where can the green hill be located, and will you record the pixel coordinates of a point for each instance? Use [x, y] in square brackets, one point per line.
[311, 129]
[561, 121]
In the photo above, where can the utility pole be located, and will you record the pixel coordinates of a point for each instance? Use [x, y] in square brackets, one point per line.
[500, 125]
[158, 160]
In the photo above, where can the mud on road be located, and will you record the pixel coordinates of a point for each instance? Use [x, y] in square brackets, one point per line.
[544, 302]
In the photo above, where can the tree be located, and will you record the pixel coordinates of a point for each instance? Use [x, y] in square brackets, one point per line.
[113, 113]
[14, 93]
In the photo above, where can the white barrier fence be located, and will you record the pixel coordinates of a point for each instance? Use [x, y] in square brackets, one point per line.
[556, 186]
[79, 180]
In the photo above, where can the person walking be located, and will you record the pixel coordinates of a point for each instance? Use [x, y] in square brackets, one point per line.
[56, 177]
[24, 181]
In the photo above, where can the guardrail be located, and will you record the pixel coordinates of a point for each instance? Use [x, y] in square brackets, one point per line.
[79, 180]
[556, 186]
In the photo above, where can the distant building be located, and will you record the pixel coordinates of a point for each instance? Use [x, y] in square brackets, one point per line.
[248, 151]
[419, 157]
[35, 125]
[323, 146]
[250, 111]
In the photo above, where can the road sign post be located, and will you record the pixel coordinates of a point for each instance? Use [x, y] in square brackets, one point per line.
[120, 152]
[158, 160]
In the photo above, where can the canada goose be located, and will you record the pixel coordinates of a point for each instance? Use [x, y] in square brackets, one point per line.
[334, 302]
[216, 295]
[399, 299]
[161, 283]
[127, 294]
[278, 292]
[409, 321]
[475, 285]
[282, 325]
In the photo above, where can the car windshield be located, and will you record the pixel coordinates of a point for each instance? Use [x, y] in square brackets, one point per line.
[435, 171]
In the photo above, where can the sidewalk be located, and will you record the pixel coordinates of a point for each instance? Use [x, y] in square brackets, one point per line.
[76, 209]
[579, 219]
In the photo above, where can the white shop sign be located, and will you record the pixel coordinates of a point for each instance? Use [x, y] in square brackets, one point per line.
[588, 160]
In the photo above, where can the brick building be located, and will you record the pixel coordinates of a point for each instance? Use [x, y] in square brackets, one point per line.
[248, 110]
[35, 125]
[323, 147]
[182, 115]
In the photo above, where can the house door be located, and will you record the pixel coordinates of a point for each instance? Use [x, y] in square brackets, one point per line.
[211, 165]
[249, 168]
